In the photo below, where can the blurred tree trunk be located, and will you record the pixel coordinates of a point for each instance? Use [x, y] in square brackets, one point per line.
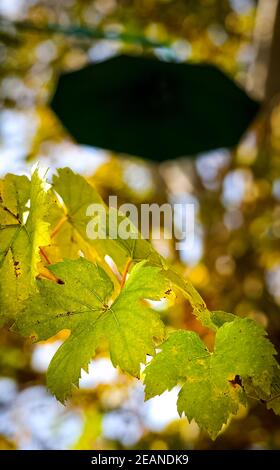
[272, 86]
[262, 81]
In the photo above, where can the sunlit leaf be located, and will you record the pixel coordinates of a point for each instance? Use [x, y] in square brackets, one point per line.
[81, 303]
[212, 382]
[20, 239]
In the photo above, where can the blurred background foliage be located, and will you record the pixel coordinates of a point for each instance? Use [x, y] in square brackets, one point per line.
[235, 262]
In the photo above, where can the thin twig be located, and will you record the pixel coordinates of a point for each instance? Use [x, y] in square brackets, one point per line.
[273, 398]
[83, 32]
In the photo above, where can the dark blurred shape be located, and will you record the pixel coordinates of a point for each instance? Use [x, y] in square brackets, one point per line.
[153, 109]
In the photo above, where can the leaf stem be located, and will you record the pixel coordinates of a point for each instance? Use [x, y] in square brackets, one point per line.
[47, 274]
[126, 268]
[44, 254]
[58, 226]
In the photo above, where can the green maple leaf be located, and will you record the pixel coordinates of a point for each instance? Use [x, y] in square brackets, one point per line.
[69, 214]
[82, 304]
[78, 195]
[210, 391]
[23, 229]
